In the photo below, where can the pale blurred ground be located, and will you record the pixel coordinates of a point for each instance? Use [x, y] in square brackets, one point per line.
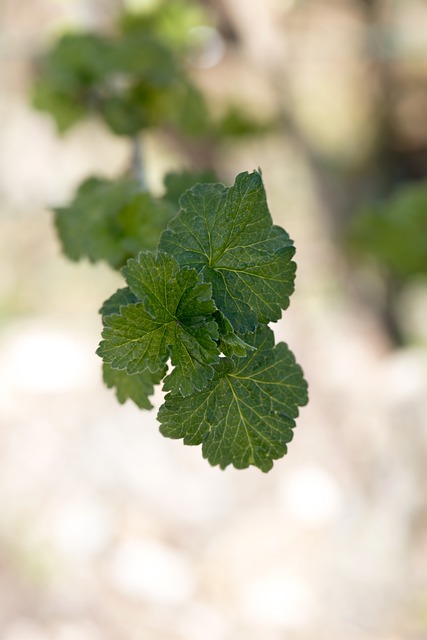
[110, 531]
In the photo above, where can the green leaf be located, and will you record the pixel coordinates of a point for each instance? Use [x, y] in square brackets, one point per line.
[142, 221]
[142, 56]
[177, 183]
[123, 116]
[230, 343]
[88, 227]
[137, 387]
[394, 233]
[228, 236]
[121, 298]
[171, 20]
[246, 413]
[111, 221]
[68, 76]
[77, 60]
[235, 123]
[64, 109]
[173, 319]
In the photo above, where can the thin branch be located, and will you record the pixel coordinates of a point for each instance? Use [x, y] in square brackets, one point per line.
[138, 162]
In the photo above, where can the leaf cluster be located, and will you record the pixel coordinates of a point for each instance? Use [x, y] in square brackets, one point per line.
[194, 314]
[135, 79]
[393, 234]
[132, 80]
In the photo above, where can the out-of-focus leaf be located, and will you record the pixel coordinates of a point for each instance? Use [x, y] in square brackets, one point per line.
[142, 222]
[142, 56]
[394, 234]
[178, 183]
[171, 20]
[137, 387]
[237, 124]
[88, 227]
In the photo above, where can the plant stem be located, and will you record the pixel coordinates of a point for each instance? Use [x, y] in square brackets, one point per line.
[390, 314]
[138, 163]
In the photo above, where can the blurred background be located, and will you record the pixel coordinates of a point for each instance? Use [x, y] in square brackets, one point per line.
[110, 531]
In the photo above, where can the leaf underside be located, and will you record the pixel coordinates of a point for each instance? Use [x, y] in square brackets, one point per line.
[173, 318]
[246, 413]
[137, 387]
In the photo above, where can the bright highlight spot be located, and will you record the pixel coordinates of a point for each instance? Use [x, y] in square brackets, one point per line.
[39, 360]
[149, 570]
[312, 496]
[280, 598]
[82, 528]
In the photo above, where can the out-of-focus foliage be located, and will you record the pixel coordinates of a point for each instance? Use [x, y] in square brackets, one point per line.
[135, 79]
[171, 20]
[114, 220]
[235, 123]
[204, 265]
[393, 234]
[132, 80]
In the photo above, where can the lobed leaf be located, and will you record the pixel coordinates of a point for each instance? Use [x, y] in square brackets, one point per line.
[246, 413]
[137, 387]
[172, 318]
[228, 236]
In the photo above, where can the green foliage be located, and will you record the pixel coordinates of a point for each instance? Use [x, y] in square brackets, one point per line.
[177, 183]
[173, 317]
[228, 236]
[205, 268]
[171, 20]
[237, 124]
[137, 387]
[394, 234]
[199, 305]
[68, 75]
[246, 414]
[89, 226]
[114, 220]
[133, 81]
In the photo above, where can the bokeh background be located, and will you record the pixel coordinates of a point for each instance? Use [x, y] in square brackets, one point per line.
[108, 531]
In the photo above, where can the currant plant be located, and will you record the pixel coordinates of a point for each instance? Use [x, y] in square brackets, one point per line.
[136, 79]
[132, 80]
[195, 315]
[205, 270]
